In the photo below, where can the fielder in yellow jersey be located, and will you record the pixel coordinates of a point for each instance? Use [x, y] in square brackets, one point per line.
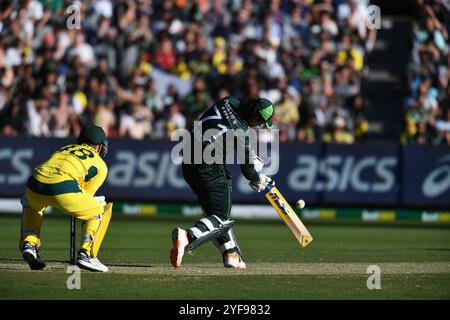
[68, 181]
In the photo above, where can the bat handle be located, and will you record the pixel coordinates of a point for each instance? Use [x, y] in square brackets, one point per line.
[268, 188]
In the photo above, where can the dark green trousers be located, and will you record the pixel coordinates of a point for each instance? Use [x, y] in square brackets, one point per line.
[212, 185]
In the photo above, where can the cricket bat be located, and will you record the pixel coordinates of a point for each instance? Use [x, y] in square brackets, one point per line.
[288, 215]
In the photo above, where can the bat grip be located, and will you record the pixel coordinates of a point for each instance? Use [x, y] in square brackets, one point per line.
[268, 188]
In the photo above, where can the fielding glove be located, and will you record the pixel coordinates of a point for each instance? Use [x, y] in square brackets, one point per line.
[262, 183]
[101, 199]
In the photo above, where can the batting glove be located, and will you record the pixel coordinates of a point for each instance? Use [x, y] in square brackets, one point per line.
[258, 164]
[262, 183]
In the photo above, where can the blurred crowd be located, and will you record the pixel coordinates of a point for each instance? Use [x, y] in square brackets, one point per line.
[427, 107]
[65, 64]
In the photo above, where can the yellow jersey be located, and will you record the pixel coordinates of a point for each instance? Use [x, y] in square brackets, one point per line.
[74, 162]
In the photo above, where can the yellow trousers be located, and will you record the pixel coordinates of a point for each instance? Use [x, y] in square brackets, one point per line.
[81, 205]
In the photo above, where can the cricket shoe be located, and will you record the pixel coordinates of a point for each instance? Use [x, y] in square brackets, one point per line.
[31, 255]
[85, 261]
[233, 260]
[179, 242]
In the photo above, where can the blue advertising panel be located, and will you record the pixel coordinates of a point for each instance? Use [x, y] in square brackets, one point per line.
[426, 176]
[335, 174]
[137, 170]
[360, 174]
[294, 172]
[144, 170]
[18, 158]
[319, 173]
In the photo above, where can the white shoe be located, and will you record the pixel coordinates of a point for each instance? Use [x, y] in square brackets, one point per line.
[179, 242]
[92, 264]
[233, 260]
[31, 255]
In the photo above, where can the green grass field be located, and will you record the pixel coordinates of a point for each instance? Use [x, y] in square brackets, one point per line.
[414, 263]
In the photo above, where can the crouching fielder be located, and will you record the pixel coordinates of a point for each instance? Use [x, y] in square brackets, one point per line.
[68, 181]
[211, 182]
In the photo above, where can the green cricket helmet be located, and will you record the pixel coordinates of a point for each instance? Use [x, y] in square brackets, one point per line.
[94, 135]
[266, 110]
[261, 108]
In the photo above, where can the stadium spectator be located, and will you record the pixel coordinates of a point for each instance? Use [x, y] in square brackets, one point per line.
[427, 106]
[286, 117]
[306, 56]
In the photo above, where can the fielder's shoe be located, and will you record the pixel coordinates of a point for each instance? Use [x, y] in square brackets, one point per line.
[179, 242]
[85, 261]
[233, 260]
[31, 255]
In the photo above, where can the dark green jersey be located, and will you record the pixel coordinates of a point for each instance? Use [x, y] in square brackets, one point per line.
[221, 129]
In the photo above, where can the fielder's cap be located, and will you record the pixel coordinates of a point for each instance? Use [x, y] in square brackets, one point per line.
[92, 134]
[266, 110]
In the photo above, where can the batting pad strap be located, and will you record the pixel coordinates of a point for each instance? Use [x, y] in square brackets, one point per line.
[197, 232]
[209, 235]
[207, 223]
[87, 238]
[227, 245]
[27, 231]
[218, 219]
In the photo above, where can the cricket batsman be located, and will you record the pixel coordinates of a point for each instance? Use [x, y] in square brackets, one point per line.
[212, 182]
[68, 181]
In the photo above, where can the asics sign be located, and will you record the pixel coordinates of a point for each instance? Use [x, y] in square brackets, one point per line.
[342, 173]
[426, 176]
[324, 174]
[437, 181]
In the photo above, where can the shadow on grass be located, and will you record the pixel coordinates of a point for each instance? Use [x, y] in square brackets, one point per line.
[21, 260]
[131, 265]
[126, 265]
